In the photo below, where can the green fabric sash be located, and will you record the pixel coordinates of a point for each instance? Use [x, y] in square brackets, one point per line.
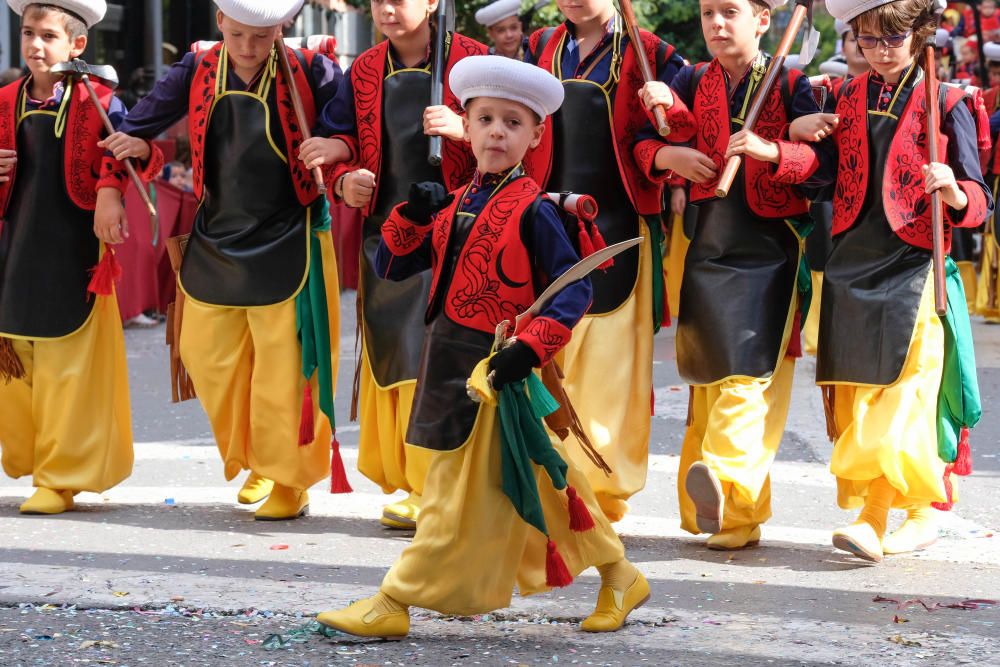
[312, 317]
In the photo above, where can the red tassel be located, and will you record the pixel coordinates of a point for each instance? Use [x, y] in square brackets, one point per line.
[338, 476]
[307, 428]
[105, 274]
[556, 573]
[597, 239]
[586, 246]
[948, 489]
[665, 320]
[580, 519]
[963, 462]
[652, 402]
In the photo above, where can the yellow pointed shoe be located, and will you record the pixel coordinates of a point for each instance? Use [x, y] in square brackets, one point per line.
[734, 539]
[918, 532]
[378, 617]
[705, 490]
[614, 606]
[47, 502]
[254, 490]
[859, 539]
[285, 503]
[402, 515]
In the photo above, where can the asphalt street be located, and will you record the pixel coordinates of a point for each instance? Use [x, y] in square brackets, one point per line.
[166, 569]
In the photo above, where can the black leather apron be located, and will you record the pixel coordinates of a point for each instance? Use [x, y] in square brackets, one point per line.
[249, 243]
[818, 243]
[739, 277]
[393, 311]
[584, 162]
[872, 287]
[48, 246]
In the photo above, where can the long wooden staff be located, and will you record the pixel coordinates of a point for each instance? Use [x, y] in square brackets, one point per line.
[635, 37]
[937, 213]
[434, 156]
[770, 78]
[300, 112]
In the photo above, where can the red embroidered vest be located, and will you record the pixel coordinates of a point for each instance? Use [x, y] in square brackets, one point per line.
[765, 198]
[628, 117]
[481, 293]
[907, 207]
[367, 74]
[82, 157]
[202, 98]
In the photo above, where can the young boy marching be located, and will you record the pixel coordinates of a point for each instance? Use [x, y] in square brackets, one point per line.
[260, 319]
[380, 124]
[591, 149]
[739, 300]
[503, 24]
[493, 246]
[900, 382]
[65, 415]
[988, 287]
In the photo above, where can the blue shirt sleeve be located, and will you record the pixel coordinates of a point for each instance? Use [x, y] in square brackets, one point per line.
[327, 79]
[554, 255]
[117, 112]
[166, 104]
[401, 267]
[339, 115]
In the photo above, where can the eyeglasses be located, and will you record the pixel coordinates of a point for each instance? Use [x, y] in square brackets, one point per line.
[889, 42]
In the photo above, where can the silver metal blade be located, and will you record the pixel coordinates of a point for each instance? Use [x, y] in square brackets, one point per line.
[449, 19]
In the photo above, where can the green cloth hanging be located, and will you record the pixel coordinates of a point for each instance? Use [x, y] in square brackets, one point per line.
[312, 317]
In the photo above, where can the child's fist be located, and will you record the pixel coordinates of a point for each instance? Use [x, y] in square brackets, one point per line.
[656, 93]
[939, 177]
[814, 127]
[8, 159]
[123, 146]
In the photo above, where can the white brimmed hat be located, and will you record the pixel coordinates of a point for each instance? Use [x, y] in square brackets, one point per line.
[498, 11]
[991, 51]
[260, 13]
[90, 11]
[841, 27]
[833, 67]
[507, 79]
[847, 10]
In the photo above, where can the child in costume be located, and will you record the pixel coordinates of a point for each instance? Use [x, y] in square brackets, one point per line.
[65, 415]
[988, 288]
[260, 318]
[899, 381]
[379, 126]
[492, 246]
[502, 21]
[737, 331]
[591, 149]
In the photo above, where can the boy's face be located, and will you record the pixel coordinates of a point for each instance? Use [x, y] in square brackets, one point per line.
[248, 47]
[501, 132]
[398, 18]
[994, 74]
[732, 29]
[582, 11]
[507, 35]
[45, 42]
[889, 62]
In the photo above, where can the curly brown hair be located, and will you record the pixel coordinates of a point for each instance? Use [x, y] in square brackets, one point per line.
[896, 18]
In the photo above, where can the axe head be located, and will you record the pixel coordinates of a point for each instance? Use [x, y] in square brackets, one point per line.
[77, 67]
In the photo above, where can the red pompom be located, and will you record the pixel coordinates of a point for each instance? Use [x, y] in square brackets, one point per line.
[105, 274]
[338, 475]
[580, 519]
[556, 573]
[963, 462]
[307, 428]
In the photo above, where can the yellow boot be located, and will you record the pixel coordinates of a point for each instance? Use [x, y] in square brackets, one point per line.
[705, 491]
[402, 515]
[254, 490]
[48, 501]
[284, 503]
[377, 616]
[918, 532]
[734, 538]
[863, 538]
[623, 589]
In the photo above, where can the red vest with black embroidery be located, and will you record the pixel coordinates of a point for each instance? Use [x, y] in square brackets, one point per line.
[628, 118]
[906, 205]
[203, 83]
[765, 198]
[83, 160]
[367, 74]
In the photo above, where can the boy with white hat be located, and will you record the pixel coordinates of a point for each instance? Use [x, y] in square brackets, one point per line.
[738, 327]
[899, 382]
[471, 548]
[259, 266]
[65, 416]
[503, 24]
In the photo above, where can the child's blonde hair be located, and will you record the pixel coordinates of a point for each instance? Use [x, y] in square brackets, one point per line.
[73, 24]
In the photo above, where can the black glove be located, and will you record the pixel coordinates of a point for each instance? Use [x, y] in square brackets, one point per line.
[512, 364]
[425, 200]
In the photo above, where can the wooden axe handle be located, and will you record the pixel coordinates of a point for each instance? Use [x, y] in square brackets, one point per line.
[300, 113]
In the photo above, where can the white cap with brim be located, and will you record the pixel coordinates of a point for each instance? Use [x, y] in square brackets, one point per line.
[774, 4]
[833, 67]
[841, 27]
[942, 38]
[507, 79]
[498, 11]
[90, 11]
[991, 51]
[260, 13]
[848, 10]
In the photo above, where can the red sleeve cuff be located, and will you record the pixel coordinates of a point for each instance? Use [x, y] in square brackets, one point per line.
[797, 161]
[114, 174]
[681, 122]
[974, 213]
[545, 337]
[400, 233]
[645, 156]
